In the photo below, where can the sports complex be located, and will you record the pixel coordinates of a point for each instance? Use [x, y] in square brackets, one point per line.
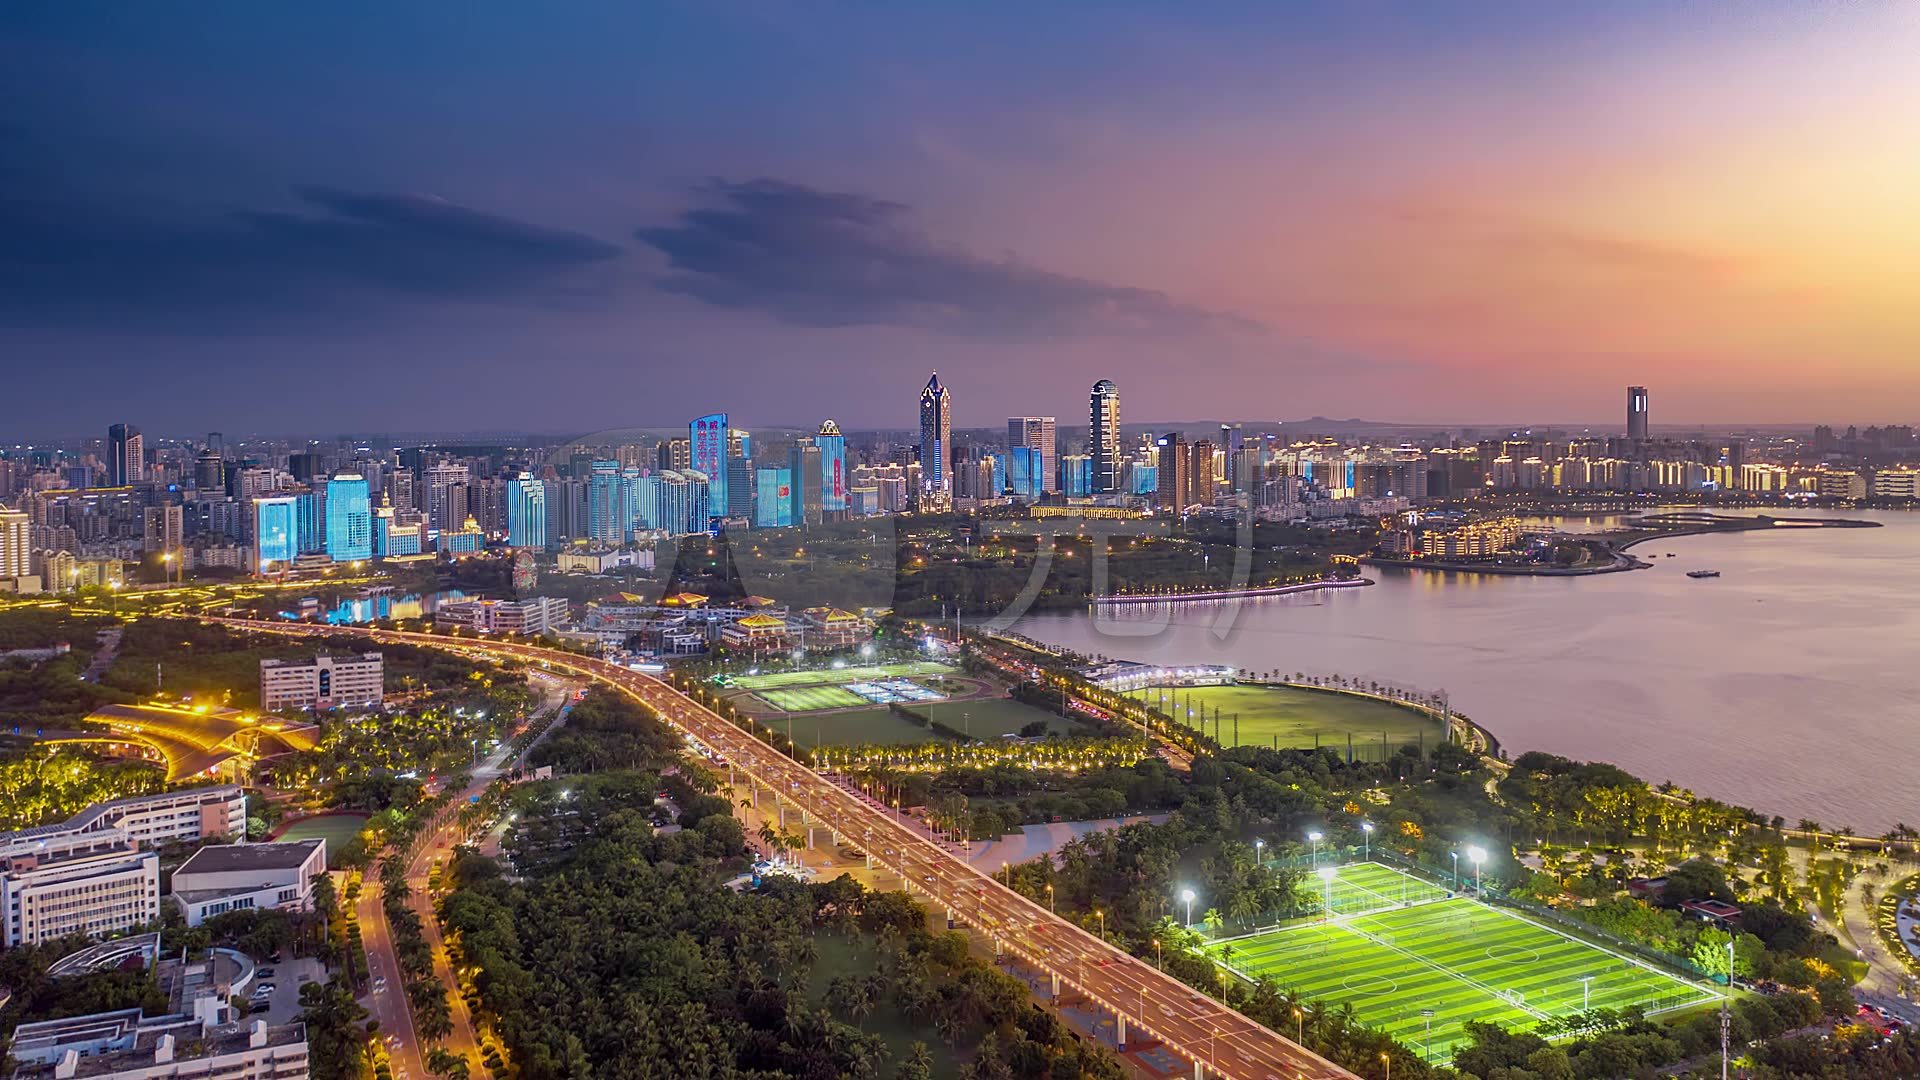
[1418, 961]
[851, 705]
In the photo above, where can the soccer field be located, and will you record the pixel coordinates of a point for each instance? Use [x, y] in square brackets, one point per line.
[1293, 718]
[811, 698]
[1457, 957]
[780, 680]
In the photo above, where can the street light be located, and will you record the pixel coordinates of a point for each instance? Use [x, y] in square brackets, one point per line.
[1389, 1063]
[1187, 895]
[1050, 910]
[1476, 855]
[1156, 954]
[1103, 922]
[1366, 841]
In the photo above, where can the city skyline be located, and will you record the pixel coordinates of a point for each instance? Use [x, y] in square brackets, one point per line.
[1346, 213]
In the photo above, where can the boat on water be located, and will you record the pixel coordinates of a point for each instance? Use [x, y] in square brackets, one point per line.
[1703, 573]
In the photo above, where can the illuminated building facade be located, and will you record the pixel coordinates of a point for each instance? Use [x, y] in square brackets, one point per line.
[833, 468]
[1103, 437]
[276, 531]
[936, 435]
[708, 436]
[526, 512]
[349, 518]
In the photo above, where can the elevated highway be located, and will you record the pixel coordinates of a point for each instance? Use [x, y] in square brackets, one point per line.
[1143, 999]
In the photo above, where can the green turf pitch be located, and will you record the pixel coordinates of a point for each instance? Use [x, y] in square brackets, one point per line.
[1457, 957]
[812, 698]
[836, 676]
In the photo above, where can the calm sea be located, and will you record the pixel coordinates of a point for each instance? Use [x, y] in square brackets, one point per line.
[1789, 684]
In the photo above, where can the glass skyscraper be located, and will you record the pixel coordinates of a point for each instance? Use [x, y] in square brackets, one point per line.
[526, 512]
[774, 509]
[349, 518]
[608, 514]
[936, 436]
[833, 468]
[1026, 472]
[276, 531]
[708, 434]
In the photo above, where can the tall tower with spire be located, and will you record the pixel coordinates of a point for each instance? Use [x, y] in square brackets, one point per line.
[1103, 437]
[936, 435]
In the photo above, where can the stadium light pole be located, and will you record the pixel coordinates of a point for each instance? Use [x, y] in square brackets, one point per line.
[1586, 992]
[1187, 896]
[1476, 855]
[1326, 887]
[1366, 841]
[1456, 870]
[1315, 837]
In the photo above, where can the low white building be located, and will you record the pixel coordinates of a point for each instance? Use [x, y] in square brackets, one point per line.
[237, 877]
[202, 1038]
[601, 560]
[62, 883]
[534, 615]
[186, 817]
[324, 682]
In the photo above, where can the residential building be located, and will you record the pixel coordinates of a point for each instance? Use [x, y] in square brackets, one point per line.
[324, 682]
[126, 456]
[16, 544]
[1176, 474]
[220, 878]
[1896, 484]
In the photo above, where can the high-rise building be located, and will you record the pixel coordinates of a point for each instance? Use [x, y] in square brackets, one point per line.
[803, 465]
[708, 436]
[126, 456]
[1103, 437]
[1035, 433]
[526, 512]
[276, 531]
[165, 529]
[739, 487]
[1203, 475]
[1026, 479]
[349, 518]
[1176, 474]
[16, 535]
[833, 469]
[675, 454]
[210, 471]
[446, 485]
[609, 513]
[774, 507]
[1637, 413]
[936, 435]
[400, 490]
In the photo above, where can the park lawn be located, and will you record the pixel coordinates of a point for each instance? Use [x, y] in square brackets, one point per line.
[1293, 718]
[837, 676]
[987, 719]
[1463, 960]
[336, 829]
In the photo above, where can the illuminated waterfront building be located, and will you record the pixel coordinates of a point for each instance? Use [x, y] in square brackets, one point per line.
[1035, 433]
[276, 531]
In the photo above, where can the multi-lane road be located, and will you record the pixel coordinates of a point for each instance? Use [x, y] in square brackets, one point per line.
[1219, 1041]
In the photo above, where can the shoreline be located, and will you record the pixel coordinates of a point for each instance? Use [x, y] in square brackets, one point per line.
[1665, 526]
[1237, 594]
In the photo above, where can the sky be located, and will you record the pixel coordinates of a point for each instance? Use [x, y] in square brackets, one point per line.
[355, 217]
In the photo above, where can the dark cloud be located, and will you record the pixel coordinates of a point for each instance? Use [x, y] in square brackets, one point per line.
[101, 262]
[820, 258]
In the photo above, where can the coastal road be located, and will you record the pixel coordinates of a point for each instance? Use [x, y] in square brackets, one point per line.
[1219, 1041]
